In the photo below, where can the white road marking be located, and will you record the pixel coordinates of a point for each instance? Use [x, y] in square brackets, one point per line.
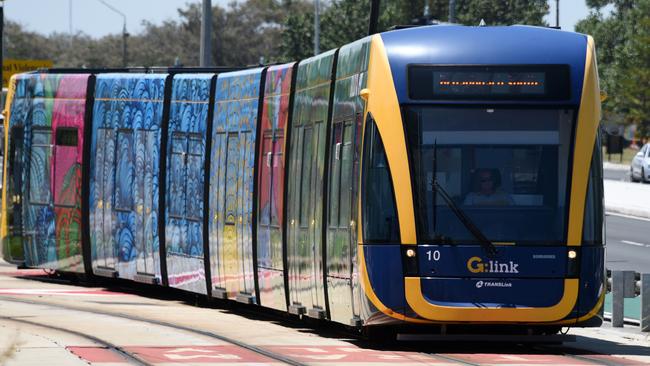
[634, 243]
[627, 216]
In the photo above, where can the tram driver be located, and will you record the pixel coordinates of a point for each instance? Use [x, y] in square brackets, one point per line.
[487, 192]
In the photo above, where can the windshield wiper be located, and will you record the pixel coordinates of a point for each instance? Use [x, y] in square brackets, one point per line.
[487, 245]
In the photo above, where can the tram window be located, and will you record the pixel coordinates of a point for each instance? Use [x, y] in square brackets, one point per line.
[346, 175]
[307, 166]
[379, 213]
[506, 168]
[195, 177]
[592, 230]
[177, 177]
[335, 175]
[66, 136]
[39, 168]
[124, 171]
[232, 172]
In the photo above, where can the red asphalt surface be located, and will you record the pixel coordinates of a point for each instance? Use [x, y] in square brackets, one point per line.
[330, 355]
[311, 354]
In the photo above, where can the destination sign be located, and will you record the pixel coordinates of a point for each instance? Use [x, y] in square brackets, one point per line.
[489, 82]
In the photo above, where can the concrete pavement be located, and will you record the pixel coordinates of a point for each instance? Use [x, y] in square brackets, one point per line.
[624, 197]
[55, 310]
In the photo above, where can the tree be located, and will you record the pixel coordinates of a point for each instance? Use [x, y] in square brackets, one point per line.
[344, 21]
[623, 43]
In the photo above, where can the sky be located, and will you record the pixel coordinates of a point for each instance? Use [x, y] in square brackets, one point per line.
[96, 19]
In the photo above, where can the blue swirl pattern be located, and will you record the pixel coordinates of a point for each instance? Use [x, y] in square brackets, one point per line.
[124, 173]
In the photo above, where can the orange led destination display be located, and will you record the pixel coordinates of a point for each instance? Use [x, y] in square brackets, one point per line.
[498, 82]
[488, 83]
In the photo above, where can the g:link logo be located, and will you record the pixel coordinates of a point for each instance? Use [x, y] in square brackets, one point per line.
[476, 265]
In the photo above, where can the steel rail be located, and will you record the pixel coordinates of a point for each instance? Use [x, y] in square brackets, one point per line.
[128, 356]
[254, 349]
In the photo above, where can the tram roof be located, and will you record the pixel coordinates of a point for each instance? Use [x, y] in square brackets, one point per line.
[502, 45]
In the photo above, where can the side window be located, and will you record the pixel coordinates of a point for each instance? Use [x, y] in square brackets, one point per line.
[196, 148]
[39, 167]
[124, 171]
[232, 170]
[177, 175]
[379, 213]
[278, 179]
[306, 173]
[346, 175]
[592, 230]
[335, 175]
[67, 168]
[66, 136]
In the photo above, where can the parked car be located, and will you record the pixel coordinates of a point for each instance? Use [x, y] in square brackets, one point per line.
[640, 167]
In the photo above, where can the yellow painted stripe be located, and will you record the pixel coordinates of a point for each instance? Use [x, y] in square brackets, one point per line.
[588, 120]
[384, 106]
[7, 114]
[370, 293]
[419, 303]
[589, 315]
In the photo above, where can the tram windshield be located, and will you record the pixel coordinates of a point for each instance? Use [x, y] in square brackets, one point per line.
[506, 169]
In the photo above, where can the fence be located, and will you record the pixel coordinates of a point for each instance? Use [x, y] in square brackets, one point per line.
[629, 285]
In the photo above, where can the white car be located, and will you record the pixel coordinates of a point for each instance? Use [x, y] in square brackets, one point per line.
[640, 167]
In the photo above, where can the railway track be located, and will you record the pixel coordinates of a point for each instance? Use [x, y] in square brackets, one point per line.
[417, 353]
[211, 335]
[129, 357]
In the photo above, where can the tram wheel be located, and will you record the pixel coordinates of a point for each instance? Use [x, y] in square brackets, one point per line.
[382, 335]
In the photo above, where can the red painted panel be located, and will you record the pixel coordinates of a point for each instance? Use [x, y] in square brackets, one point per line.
[68, 111]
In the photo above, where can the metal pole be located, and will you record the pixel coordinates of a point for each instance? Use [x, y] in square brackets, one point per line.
[452, 11]
[645, 302]
[316, 27]
[618, 283]
[70, 16]
[206, 34]
[374, 17]
[557, 13]
[125, 34]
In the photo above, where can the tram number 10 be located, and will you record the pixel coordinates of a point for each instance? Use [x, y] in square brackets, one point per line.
[433, 255]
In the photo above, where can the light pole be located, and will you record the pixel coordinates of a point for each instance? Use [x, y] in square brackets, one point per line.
[205, 52]
[557, 13]
[125, 34]
[316, 27]
[452, 11]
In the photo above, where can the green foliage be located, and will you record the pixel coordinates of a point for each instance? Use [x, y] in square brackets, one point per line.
[344, 21]
[623, 43]
[246, 32]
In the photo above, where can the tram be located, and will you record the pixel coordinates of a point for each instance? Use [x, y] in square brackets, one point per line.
[429, 176]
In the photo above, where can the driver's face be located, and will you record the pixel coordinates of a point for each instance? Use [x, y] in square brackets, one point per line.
[487, 182]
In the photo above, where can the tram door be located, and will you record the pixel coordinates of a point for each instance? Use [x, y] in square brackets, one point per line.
[186, 191]
[40, 246]
[231, 226]
[14, 191]
[67, 185]
[341, 221]
[145, 142]
[245, 241]
[305, 252]
[105, 180]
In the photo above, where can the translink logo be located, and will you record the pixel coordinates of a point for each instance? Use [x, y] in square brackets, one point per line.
[476, 265]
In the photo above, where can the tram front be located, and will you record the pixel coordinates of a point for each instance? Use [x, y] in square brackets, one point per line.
[490, 188]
